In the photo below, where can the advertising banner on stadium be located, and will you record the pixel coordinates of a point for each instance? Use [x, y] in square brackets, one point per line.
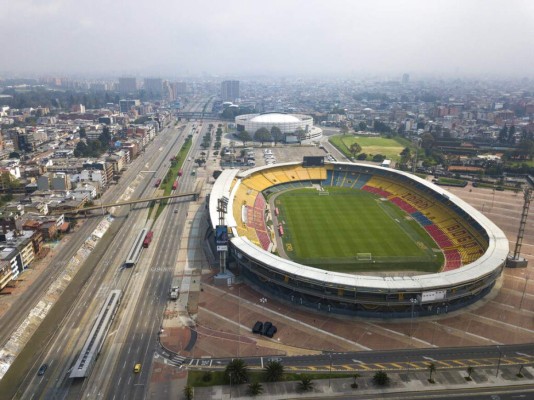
[221, 237]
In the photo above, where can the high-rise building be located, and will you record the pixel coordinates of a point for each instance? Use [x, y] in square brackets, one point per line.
[230, 90]
[153, 87]
[127, 85]
[126, 105]
[180, 88]
[405, 78]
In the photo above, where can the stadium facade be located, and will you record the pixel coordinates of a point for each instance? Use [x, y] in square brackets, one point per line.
[474, 248]
[287, 123]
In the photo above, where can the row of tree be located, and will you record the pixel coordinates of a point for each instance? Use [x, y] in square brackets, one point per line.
[237, 373]
[275, 135]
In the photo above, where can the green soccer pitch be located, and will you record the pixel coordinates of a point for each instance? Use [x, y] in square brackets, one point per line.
[335, 231]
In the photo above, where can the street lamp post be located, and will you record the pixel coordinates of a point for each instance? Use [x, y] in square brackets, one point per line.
[413, 301]
[239, 321]
[498, 362]
[330, 373]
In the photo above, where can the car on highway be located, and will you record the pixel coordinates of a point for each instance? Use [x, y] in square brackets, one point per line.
[137, 368]
[42, 369]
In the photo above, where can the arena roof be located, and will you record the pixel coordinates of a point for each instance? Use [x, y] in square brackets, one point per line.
[274, 118]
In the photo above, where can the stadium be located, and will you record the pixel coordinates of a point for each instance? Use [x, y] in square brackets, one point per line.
[356, 239]
[287, 123]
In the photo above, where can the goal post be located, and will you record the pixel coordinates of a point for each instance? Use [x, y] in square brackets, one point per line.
[364, 256]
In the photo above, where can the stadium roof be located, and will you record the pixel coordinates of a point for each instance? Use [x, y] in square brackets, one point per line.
[274, 118]
[494, 256]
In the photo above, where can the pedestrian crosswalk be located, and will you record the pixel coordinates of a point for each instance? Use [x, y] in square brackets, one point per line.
[177, 360]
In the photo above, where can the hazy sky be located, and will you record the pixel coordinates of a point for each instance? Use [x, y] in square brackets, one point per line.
[247, 37]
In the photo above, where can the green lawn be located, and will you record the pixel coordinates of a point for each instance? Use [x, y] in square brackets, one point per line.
[391, 148]
[329, 231]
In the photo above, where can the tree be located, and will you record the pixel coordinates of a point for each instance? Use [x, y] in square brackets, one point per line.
[255, 389]
[354, 384]
[432, 369]
[362, 126]
[274, 371]
[82, 132]
[511, 133]
[301, 134]
[362, 156]
[236, 372]
[355, 148]
[262, 135]
[503, 134]
[305, 383]
[244, 136]
[344, 128]
[469, 371]
[276, 134]
[405, 152]
[81, 149]
[207, 376]
[381, 127]
[188, 392]
[379, 158]
[14, 154]
[381, 378]
[427, 142]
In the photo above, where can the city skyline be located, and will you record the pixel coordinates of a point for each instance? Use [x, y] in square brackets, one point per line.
[237, 38]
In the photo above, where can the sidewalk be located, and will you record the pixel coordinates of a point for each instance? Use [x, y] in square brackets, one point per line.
[402, 383]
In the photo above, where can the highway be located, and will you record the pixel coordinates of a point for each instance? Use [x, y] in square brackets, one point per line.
[108, 274]
[145, 289]
[141, 338]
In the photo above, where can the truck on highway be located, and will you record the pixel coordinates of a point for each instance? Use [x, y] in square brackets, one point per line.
[148, 239]
[175, 185]
[158, 182]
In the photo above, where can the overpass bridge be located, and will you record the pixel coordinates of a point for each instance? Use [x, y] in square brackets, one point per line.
[194, 197]
[197, 115]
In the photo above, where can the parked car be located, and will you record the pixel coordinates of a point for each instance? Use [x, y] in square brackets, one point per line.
[271, 331]
[266, 326]
[258, 327]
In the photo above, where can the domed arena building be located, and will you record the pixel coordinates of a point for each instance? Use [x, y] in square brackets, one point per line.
[289, 124]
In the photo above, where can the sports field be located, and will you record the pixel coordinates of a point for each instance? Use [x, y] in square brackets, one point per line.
[335, 231]
[390, 148]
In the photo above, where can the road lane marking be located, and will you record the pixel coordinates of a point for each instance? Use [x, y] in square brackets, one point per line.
[472, 361]
[443, 363]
